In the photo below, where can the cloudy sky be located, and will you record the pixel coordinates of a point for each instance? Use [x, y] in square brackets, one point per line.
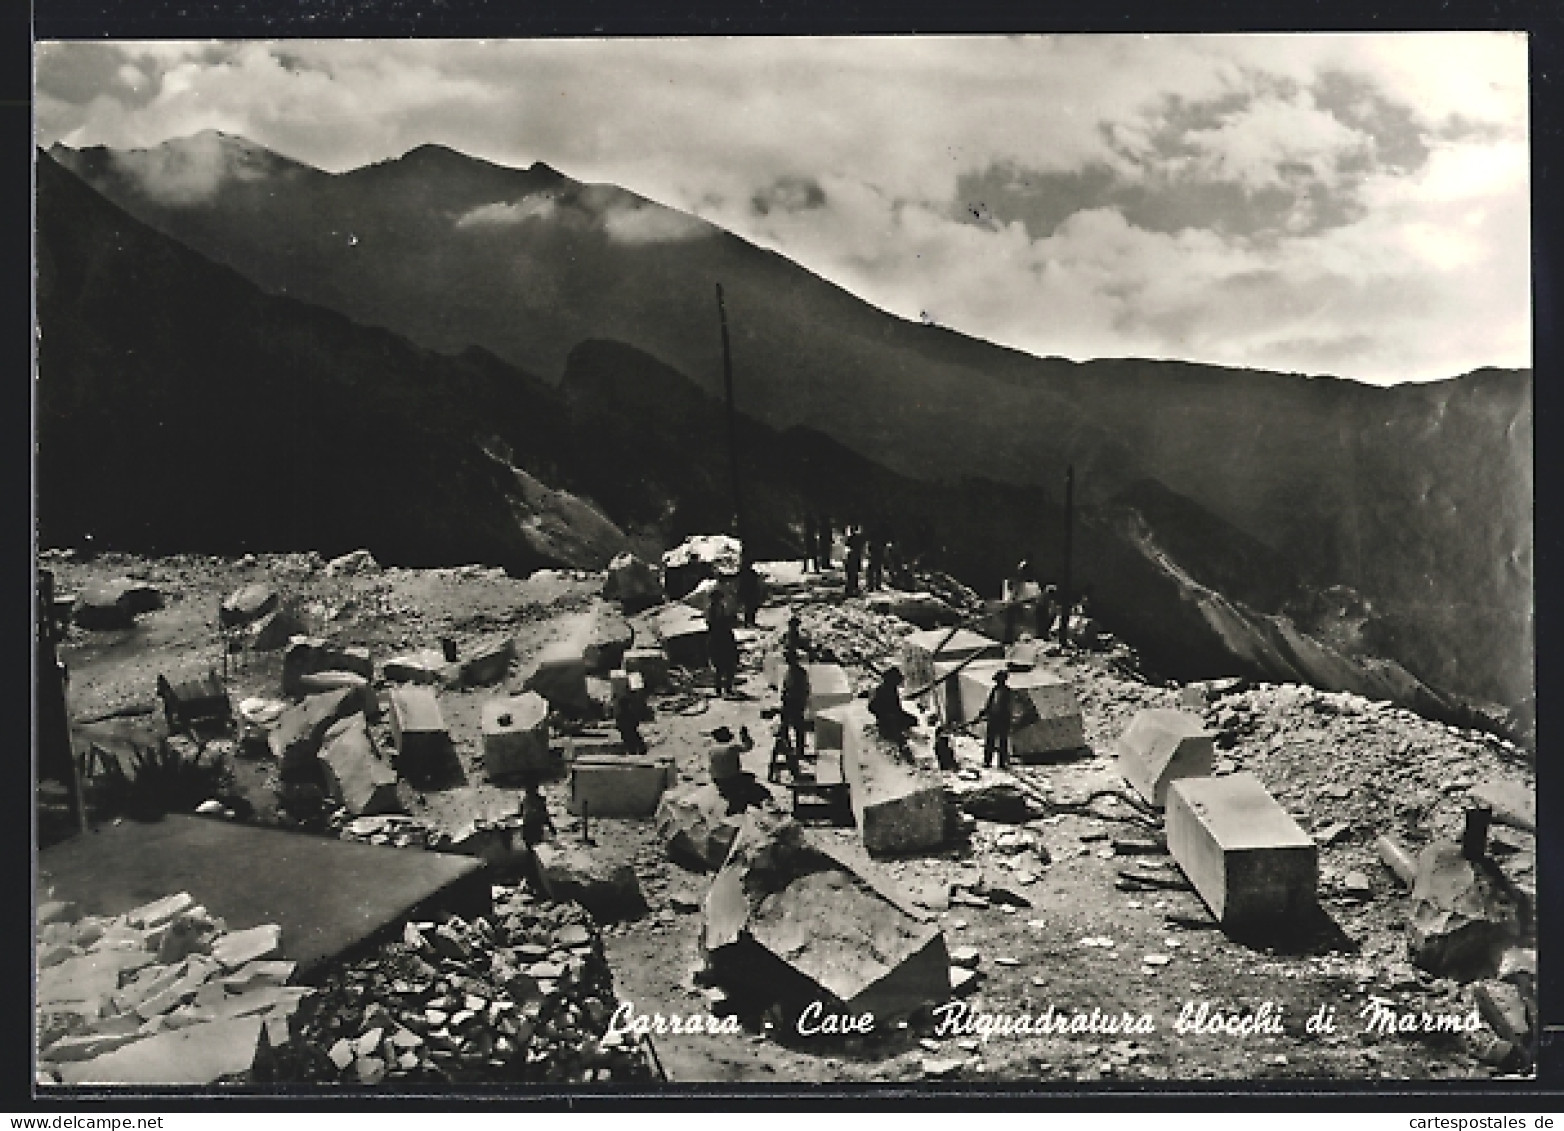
[1355, 205]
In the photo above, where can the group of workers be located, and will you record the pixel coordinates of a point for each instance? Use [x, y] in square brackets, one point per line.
[871, 560]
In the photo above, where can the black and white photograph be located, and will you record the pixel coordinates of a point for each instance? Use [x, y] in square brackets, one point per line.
[624, 563]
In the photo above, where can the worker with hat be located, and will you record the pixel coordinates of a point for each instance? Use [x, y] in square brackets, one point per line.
[996, 740]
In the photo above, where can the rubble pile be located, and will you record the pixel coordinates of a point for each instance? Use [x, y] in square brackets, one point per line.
[523, 994]
[163, 994]
[851, 635]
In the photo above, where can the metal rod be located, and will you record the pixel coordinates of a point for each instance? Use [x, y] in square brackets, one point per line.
[1069, 524]
[733, 442]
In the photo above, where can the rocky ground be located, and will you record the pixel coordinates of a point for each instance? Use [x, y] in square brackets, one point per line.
[1067, 931]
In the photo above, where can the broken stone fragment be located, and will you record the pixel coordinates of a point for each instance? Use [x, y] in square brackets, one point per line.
[199, 1054]
[238, 948]
[1504, 1008]
[158, 912]
[604, 884]
[1463, 915]
[247, 603]
[342, 1053]
[295, 740]
[56, 911]
[356, 777]
[489, 662]
[427, 666]
[352, 564]
[306, 655]
[633, 583]
[789, 921]
[696, 827]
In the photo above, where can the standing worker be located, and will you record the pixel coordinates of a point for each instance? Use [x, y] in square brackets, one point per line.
[811, 550]
[795, 702]
[854, 558]
[723, 648]
[823, 544]
[629, 713]
[795, 635]
[996, 740]
[875, 578]
[749, 592]
[536, 824]
[885, 705]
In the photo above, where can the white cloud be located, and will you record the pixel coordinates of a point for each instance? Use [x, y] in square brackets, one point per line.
[1423, 273]
[508, 212]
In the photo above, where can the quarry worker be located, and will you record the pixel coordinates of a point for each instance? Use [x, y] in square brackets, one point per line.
[723, 648]
[996, 740]
[823, 545]
[536, 824]
[795, 635]
[854, 558]
[1047, 610]
[749, 592]
[629, 713]
[885, 705]
[811, 547]
[875, 577]
[795, 702]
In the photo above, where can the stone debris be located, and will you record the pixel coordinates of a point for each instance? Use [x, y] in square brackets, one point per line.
[163, 994]
[352, 564]
[1464, 915]
[427, 666]
[650, 664]
[602, 882]
[559, 675]
[924, 610]
[115, 604]
[697, 827]
[246, 604]
[610, 637]
[521, 994]
[306, 655]
[993, 795]
[633, 583]
[683, 632]
[788, 922]
[319, 683]
[488, 662]
[698, 558]
[295, 739]
[271, 632]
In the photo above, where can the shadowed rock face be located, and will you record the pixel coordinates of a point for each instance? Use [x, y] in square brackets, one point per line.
[1230, 520]
[181, 408]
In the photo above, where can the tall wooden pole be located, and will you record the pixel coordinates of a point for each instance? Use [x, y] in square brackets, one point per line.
[1069, 531]
[733, 438]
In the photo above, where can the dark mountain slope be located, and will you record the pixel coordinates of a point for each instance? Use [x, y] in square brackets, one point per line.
[179, 408]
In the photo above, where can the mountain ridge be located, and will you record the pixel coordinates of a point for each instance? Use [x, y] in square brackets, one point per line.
[1432, 528]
